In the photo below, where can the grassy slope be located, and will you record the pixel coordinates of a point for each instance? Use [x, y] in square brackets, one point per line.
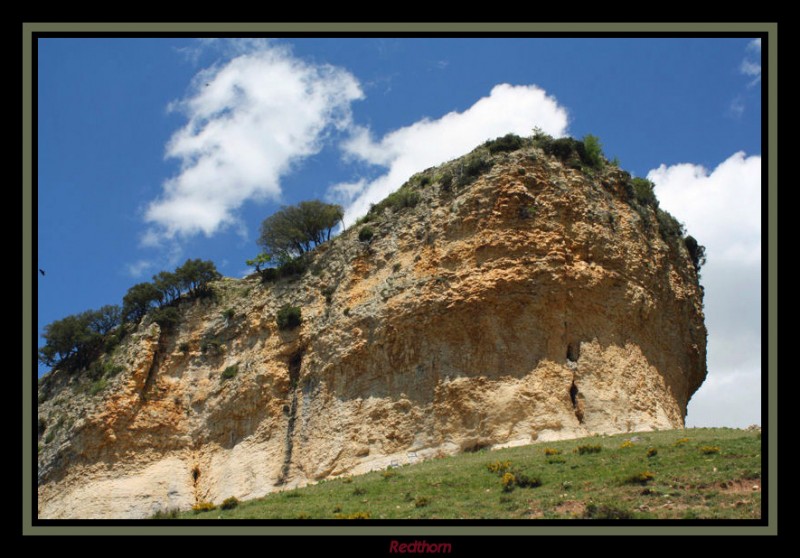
[687, 483]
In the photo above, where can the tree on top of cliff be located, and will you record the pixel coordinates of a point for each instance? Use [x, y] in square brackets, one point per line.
[296, 229]
[195, 275]
[73, 342]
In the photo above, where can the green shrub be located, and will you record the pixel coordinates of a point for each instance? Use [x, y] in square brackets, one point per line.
[446, 181]
[424, 181]
[95, 370]
[389, 473]
[396, 267]
[709, 450]
[524, 480]
[363, 220]
[110, 370]
[293, 267]
[640, 478]
[229, 372]
[593, 511]
[509, 142]
[50, 437]
[167, 318]
[42, 425]
[359, 491]
[498, 467]
[588, 449]
[552, 451]
[98, 386]
[228, 314]
[421, 502]
[652, 452]
[269, 274]
[592, 154]
[327, 292]
[289, 317]
[203, 507]
[668, 226]
[508, 481]
[346, 311]
[183, 347]
[402, 198]
[365, 234]
[171, 513]
[561, 148]
[473, 167]
[643, 192]
[696, 252]
[229, 503]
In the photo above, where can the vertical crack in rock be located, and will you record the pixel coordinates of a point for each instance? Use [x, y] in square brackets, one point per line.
[294, 375]
[577, 404]
[195, 478]
[151, 373]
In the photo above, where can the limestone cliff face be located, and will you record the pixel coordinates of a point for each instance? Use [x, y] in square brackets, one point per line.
[534, 304]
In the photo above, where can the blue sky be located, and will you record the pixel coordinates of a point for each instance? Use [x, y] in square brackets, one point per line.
[152, 151]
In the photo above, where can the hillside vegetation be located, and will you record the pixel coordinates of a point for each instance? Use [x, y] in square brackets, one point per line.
[679, 474]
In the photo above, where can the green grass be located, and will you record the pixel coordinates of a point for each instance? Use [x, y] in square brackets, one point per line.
[685, 483]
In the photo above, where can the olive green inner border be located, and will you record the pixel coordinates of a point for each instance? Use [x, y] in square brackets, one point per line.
[770, 63]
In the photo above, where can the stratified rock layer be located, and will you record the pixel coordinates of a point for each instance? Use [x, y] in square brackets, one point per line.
[535, 304]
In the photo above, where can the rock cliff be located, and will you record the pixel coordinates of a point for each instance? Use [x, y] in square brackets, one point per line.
[533, 302]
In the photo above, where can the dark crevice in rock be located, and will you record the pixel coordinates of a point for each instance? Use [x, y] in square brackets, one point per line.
[151, 374]
[573, 352]
[577, 404]
[294, 376]
[195, 478]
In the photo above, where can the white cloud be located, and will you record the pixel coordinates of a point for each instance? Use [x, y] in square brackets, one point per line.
[751, 68]
[408, 150]
[722, 209]
[138, 268]
[736, 108]
[751, 65]
[249, 121]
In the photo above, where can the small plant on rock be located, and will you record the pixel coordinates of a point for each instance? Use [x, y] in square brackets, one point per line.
[289, 317]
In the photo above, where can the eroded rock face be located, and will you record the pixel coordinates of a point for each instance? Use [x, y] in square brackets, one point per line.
[531, 305]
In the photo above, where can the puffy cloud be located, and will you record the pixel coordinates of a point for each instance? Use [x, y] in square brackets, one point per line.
[722, 209]
[403, 152]
[249, 121]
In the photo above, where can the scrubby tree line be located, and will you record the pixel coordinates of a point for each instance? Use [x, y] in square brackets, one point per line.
[192, 279]
[75, 341]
